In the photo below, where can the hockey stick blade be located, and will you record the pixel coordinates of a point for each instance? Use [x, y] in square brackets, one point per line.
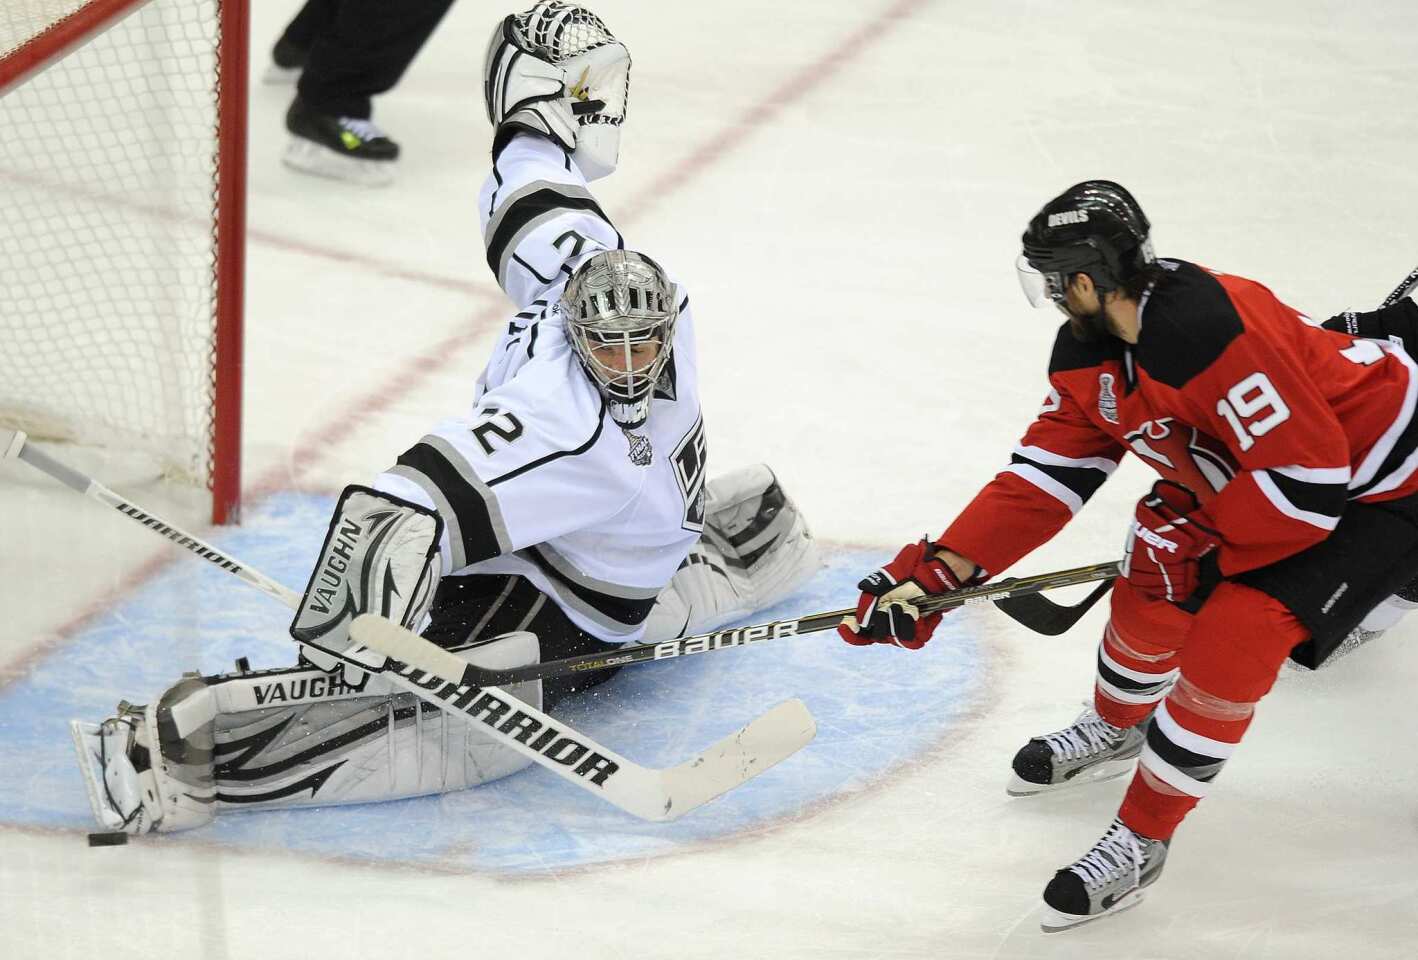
[1042, 615]
[645, 792]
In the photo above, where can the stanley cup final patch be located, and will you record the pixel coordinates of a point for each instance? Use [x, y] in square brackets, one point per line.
[641, 452]
[1107, 399]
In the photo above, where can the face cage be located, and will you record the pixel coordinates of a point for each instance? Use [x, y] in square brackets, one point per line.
[630, 388]
[1041, 289]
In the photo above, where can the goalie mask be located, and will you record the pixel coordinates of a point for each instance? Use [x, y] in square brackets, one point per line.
[620, 312]
[597, 68]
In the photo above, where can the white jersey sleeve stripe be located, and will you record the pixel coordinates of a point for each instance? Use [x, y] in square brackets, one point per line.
[477, 530]
[452, 531]
[1049, 458]
[1368, 470]
[572, 194]
[1330, 499]
[537, 210]
[1048, 484]
[539, 218]
[1314, 474]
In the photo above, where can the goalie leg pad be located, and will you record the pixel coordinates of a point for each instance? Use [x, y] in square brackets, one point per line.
[291, 737]
[755, 551]
[300, 737]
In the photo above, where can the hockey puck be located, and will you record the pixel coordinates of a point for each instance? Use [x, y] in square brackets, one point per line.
[116, 839]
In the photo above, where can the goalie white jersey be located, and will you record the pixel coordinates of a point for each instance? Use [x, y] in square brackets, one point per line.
[537, 479]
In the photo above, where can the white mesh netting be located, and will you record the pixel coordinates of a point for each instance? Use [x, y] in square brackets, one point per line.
[107, 214]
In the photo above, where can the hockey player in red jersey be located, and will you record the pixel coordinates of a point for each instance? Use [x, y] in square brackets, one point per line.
[1287, 509]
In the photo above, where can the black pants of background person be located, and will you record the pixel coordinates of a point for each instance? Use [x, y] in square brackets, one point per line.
[355, 49]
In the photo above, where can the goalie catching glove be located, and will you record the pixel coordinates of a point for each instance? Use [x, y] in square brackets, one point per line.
[887, 611]
[380, 556]
[557, 70]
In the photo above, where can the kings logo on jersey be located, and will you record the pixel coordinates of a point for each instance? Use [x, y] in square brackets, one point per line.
[689, 461]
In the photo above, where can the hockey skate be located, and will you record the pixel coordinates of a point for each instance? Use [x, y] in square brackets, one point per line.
[1107, 879]
[1088, 750]
[134, 785]
[340, 148]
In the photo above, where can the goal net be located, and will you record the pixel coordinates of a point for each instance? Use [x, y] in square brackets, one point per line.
[122, 180]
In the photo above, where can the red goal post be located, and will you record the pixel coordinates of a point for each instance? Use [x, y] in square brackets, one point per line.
[122, 230]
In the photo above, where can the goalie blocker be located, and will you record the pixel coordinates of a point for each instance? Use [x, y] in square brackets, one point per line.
[380, 556]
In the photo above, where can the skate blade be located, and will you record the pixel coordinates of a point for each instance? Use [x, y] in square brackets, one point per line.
[1111, 770]
[308, 157]
[1056, 921]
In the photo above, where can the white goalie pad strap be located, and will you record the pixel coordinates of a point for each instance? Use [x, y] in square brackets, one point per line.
[380, 556]
[299, 737]
[756, 550]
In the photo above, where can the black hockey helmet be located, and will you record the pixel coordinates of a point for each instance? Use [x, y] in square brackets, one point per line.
[1094, 227]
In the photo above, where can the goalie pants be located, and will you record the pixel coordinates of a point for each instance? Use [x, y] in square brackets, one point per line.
[1198, 676]
[469, 610]
[358, 48]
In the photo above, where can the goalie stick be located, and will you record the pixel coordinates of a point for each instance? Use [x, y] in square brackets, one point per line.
[645, 792]
[1042, 615]
[435, 660]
